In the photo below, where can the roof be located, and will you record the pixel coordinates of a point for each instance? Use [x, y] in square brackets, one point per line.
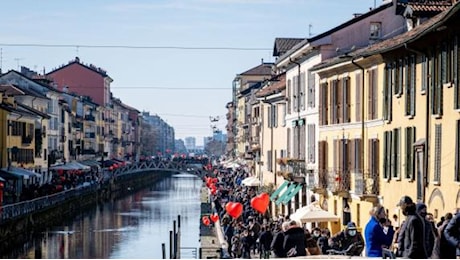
[120, 103]
[35, 111]
[15, 90]
[276, 85]
[282, 45]
[356, 19]
[262, 69]
[426, 7]
[397, 41]
[38, 82]
[76, 61]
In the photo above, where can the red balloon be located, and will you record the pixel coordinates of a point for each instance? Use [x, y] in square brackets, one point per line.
[213, 190]
[234, 209]
[206, 220]
[215, 180]
[214, 217]
[260, 202]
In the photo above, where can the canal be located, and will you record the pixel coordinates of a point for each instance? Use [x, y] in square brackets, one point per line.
[134, 226]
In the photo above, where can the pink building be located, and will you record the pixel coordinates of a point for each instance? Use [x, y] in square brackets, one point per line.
[84, 80]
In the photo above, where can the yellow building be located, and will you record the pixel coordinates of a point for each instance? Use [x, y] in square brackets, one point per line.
[4, 112]
[406, 91]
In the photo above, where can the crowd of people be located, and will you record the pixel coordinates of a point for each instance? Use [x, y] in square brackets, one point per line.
[255, 234]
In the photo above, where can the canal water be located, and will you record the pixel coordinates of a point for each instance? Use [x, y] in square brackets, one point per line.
[134, 226]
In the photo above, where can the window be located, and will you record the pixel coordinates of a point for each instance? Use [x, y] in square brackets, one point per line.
[387, 93]
[357, 162]
[295, 94]
[375, 30]
[335, 102]
[311, 143]
[289, 98]
[387, 136]
[373, 166]
[410, 86]
[302, 91]
[410, 140]
[437, 86]
[396, 153]
[425, 73]
[311, 89]
[269, 161]
[373, 95]
[359, 86]
[345, 100]
[323, 109]
[437, 155]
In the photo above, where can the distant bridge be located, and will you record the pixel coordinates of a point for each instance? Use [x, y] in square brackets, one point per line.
[192, 166]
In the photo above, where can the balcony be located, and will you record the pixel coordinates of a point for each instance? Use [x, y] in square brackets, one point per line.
[367, 186]
[26, 140]
[339, 183]
[77, 125]
[90, 135]
[90, 118]
[321, 186]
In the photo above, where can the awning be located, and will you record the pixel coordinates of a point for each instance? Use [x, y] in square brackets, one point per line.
[70, 166]
[292, 194]
[91, 163]
[23, 173]
[277, 191]
[285, 193]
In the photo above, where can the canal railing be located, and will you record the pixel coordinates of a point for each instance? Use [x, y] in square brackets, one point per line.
[21, 209]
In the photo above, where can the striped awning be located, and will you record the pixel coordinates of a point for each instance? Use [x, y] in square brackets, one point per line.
[277, 191]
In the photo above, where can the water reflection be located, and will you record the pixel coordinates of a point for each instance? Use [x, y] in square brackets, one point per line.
[131, 227]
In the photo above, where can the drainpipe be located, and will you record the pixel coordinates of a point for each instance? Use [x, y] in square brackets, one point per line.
[427, 125]
[362, 115]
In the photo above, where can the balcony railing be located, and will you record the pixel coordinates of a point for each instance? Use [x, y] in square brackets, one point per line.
[90, 118]
[339, 181]
[90, 135]
[367, 183]
[26, 140]
[371, 186]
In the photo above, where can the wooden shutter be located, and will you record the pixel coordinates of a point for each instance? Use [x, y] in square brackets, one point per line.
[358, 109]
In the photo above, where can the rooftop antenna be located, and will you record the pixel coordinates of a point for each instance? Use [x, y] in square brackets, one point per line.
[1, 60]
[17, 61]
[309, 30]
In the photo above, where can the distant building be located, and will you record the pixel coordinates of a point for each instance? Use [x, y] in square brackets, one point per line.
[190, 143]
[180, 146]
[165, 136]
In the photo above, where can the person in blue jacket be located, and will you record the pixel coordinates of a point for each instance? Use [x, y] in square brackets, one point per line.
[375, 237]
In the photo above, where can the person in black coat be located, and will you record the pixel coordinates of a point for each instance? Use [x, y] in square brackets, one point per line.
[413, 231]
[295, 240]
[265, 241]
[452, 234]
[278, 240]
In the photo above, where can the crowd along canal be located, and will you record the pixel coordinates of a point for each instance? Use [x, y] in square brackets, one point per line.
[134, 226]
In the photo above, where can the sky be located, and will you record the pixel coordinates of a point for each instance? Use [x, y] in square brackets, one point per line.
[173, 58]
